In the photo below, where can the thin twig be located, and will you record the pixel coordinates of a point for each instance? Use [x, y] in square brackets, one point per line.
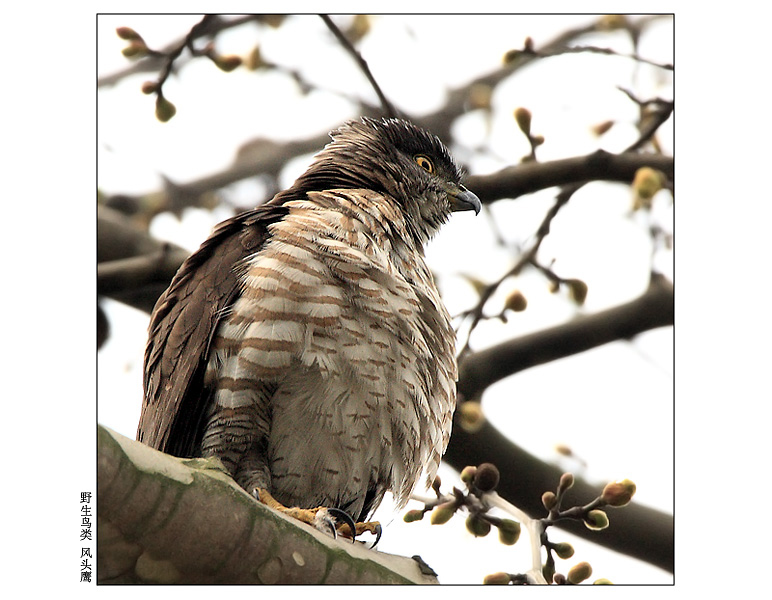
[599, 50]
[387, 106]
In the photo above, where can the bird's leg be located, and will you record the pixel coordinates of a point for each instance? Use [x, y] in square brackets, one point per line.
[322, 518]
[373, 527]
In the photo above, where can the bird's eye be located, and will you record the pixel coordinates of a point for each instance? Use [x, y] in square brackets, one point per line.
[424, 163]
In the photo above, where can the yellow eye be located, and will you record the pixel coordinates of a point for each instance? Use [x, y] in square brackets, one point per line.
[424, 163]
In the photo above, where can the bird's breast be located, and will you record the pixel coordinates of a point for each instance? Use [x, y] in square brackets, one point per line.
[352, 336]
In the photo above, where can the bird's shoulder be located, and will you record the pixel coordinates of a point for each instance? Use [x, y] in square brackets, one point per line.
[183, 323]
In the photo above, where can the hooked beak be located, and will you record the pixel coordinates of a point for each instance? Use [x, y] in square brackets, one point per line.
[462, 199]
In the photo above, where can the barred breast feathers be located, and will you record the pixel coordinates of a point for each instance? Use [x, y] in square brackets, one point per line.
[341, 288]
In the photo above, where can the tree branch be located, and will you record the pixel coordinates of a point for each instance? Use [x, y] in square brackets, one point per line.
[655, 308]
[388, 107]
[168, 520]
[530, 177]
[636, 530]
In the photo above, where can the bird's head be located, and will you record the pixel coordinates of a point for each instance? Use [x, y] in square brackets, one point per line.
[397, 159]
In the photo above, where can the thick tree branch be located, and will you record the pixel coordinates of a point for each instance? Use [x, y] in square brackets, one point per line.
[655, 308]
[168, 520]
[133, 267]
[530, 177]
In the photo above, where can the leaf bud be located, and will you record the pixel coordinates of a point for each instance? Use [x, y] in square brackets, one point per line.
[487, 477]
[477, 526]
[470, 416]
[566, 482]
[164, 110]
[516, 301]
[499, 578]
[413, 515]
[228, 63]
[602, 128]
[509, 532]
[135, 49]
[127, 33]
[511, 56]
[596, 520]
[618, 493]
[577, 290]
[149, 87]
[646, 183]
[523, 118]
[468, 473]
[579, 572]
[443, 513]
[563, 550]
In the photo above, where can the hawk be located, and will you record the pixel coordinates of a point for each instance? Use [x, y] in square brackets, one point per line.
[305, 343]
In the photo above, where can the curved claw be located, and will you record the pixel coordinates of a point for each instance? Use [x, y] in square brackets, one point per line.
[378, 533]
[328, 523]
[346, 518]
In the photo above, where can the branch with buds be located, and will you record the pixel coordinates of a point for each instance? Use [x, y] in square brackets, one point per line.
[137, 48]
[480, 496]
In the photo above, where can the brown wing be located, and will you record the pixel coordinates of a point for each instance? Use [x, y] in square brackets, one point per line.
[182, 326]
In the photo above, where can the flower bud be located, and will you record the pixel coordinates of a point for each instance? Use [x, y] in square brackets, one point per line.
[135, 49]
[470, 416]
[579, 572]
[549, 500]
[228, 63]
[646, 183]
[477, 526]
[566, 482]
[127, 33]
[511, 56]
[596, 520]
[602, 581]
[618, 493]
[563, 550]
[164, 110]
[149, 87]
[602, 128]
[413, 515]
[523, 118]
[499, 578]
[467, 475]
[509, 532]
[443, 513]
[516, 301]
[577, 290]
[487, 477]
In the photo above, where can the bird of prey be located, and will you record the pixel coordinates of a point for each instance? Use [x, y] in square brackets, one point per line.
[305, 343]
